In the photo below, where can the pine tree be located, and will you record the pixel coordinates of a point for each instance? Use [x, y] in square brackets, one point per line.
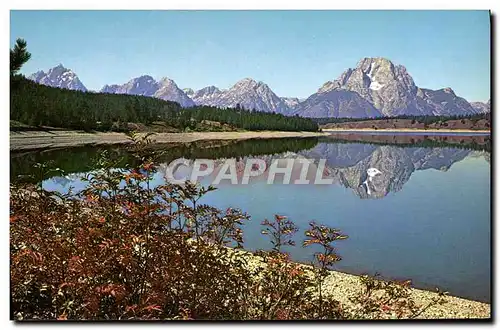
[18, 56]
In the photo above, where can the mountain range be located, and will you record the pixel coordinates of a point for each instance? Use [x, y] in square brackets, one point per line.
[375, 87]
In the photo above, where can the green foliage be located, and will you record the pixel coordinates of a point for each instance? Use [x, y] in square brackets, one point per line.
[18, 56]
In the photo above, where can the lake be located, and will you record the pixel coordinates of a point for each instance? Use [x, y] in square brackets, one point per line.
[426, 216]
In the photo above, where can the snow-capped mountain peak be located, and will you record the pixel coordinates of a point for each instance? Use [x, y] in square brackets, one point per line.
[60, 77]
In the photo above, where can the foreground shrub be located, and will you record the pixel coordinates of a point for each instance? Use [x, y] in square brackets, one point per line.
[122, 250]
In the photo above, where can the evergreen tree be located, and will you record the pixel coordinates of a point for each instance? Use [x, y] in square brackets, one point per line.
[18, 56]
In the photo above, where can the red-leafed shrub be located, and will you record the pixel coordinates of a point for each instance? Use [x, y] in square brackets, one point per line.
[122, 250]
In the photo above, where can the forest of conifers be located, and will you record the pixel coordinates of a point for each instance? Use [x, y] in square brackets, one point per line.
[39, 105]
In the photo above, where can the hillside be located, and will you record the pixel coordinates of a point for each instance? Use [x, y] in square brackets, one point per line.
[35, 104]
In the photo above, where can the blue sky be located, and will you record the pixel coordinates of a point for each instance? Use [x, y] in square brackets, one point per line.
[294, 52]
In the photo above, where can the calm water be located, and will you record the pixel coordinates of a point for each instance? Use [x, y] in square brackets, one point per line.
[427, 216]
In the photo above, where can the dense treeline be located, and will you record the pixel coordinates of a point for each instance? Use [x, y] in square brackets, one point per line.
[420, 119]
[38, 105]
[247, 119]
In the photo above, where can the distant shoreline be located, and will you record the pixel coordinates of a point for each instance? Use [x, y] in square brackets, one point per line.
[405, 130]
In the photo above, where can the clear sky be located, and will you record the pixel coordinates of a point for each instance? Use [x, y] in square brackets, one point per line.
[294, 52]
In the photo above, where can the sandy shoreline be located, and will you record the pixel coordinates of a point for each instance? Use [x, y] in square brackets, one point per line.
[342, 286]
[57, 139]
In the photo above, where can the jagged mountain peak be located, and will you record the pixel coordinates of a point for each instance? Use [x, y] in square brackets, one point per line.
[58, 76]
[60, 67]
[249, 83]
[449, 91]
